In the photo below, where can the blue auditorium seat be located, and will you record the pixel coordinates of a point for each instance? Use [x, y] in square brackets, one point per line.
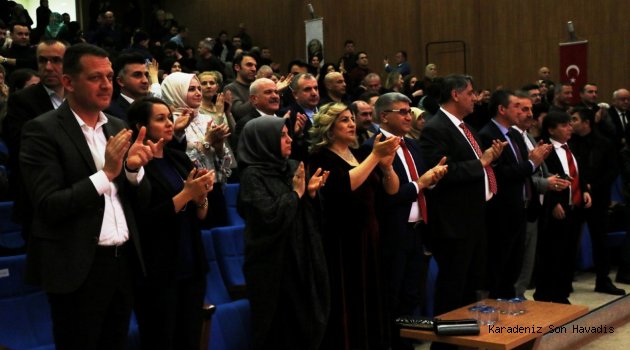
[230, 249]
[585, 255]
[230, 329]
[230, 191]
[10, 232]
[25, 322]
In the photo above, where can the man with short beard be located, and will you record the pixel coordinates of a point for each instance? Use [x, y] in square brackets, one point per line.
[245, 68]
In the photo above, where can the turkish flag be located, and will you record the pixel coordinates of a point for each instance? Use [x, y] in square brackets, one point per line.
[573, 65]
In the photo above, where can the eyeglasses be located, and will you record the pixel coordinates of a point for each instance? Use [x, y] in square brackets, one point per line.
[402, 111]
[52, 60]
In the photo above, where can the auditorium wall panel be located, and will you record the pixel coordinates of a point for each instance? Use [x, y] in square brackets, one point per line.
[506, 40]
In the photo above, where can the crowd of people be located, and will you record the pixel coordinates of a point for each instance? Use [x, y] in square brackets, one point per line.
[119, 147]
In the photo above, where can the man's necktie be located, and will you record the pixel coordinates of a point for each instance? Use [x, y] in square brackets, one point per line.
[576, 192]
[519, 159]
[492, 181]
[422, 203]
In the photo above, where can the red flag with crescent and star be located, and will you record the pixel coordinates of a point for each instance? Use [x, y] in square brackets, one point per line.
[573, 65]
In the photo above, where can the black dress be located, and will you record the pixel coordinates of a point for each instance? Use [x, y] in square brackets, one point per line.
[169, 299]
[285, 268]
[351, 243]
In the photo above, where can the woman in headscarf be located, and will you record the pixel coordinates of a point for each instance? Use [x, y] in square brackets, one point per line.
[169, 299]
[417, 123]
[56, 28]
[285, 269]
[205, 140]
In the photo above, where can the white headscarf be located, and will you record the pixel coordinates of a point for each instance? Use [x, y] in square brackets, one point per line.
[175, 88]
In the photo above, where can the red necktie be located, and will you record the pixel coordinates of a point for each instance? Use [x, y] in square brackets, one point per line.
[414, 177]
[492, 181]
[576, 192]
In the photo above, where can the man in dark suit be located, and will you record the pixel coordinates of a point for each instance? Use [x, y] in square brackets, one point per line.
[542, 182]
[80, 170]
[25, 105]
[264, 98]
[598, 166]
[135, 81]
[456, 205]
[506, 212]
[301, 112]
[619, 117]
[562, 212]
[402, 216]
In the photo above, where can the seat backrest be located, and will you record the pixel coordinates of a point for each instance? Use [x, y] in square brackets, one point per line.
[231, 329]
[25, 321]
[230, 191]
[216, 292]
[6, 224]
[229, 247]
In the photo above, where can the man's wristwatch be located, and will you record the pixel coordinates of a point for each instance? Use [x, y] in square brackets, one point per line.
[206, 145]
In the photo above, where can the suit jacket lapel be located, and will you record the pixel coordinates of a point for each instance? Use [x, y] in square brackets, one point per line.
[75, 134]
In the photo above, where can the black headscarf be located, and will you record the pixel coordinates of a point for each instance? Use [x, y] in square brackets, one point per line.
[259, 145]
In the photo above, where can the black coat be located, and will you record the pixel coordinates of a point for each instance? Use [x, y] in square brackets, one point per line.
[284, 266]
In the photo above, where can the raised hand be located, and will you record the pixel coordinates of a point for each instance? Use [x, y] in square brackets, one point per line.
[284, 82]
[198, 184]
[115, 151]
[182, 122]
[139, 154]
[219, 105]
[157, 148]
[300, 121]
[492, 153]
[385, 148]
[217, 134]
[540, 153]
[433, 175]
[153, 68]
[317, 181]
[299, 182]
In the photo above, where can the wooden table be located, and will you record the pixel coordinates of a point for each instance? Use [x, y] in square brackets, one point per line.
[510, 332]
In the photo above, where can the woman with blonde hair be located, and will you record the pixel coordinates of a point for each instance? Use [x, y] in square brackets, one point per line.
[349, 229]
[394, 82]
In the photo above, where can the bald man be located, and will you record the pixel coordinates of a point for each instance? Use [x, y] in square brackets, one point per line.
[335, 89]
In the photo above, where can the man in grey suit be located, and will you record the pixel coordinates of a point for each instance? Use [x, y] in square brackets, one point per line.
[84, 240]
[542, 182]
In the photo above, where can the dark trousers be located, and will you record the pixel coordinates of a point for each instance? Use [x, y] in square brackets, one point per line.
[557, 246]
[597, 221]
[404, 277]
[462, 266]
[506, 239]
[96, 316]
[169, 312]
